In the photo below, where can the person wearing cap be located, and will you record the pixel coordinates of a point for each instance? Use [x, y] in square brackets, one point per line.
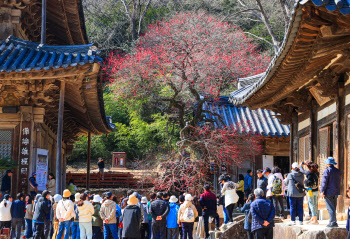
[55, 221]
[28, 218]
[187, 215]
[65, 213]
[138, 196]
[41, 210]
[5, 212]
[330, 189]
[296, 194]
[159, 210]
[6, 182]
[75, 224]
[132, 219]
[33, 186]
[145, 222]
[18, 209]
[96, 218]
[248, 183]
[86, 210]
[172, 224]
[108, 216]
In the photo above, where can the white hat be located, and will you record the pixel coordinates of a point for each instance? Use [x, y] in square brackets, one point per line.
[144, 200]
[77, 197]
[188, 197]
[295, 165]
[57, 197]
[97, 198]
[173, 199]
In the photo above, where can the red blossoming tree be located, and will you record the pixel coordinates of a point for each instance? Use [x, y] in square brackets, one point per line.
[180, 64]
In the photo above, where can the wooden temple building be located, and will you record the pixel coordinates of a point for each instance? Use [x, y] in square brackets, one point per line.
[261, 122]
[308, 84]
[50, 87]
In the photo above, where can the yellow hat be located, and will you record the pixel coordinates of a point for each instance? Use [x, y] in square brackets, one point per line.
[133, 200]
[66, 193]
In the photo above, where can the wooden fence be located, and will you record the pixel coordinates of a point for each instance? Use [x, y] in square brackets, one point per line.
[111, 180]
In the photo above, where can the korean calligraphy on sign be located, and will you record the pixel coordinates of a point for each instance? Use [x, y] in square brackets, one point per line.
[24, 155]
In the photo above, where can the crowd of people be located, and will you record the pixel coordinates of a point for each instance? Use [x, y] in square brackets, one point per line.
[83, 215]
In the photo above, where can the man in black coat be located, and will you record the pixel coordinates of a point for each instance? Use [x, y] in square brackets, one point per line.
[41, 210]
[159, 211]
[6, 183]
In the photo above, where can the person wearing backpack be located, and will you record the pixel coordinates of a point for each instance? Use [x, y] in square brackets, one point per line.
[187, 216]
[277, 192]
[311, 183]
[295, 184]
[172, 224]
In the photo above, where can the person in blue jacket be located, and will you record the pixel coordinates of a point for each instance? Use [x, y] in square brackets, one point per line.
[172, 225]
[248, 183]
[348, 219]
[18, 209]
[246, 210]
[6, 183]
[330, 189]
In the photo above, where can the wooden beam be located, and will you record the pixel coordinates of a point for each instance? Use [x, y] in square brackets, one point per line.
[88, 162]
[59, 182]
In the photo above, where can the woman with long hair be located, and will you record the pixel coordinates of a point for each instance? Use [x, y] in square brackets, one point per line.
[51, 184]
[311, 184]
[29, 219]
[5, 212]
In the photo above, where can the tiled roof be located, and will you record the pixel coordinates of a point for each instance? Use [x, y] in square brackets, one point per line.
[332, 5]
[243, 119]
[247, 81]
[20, 55]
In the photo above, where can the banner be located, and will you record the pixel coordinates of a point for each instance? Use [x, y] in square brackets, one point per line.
[24, 149]
[42, 163]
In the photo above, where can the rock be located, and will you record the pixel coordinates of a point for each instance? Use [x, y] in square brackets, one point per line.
[218, 234]
[234, 230]
[336, 233]
[312, 235]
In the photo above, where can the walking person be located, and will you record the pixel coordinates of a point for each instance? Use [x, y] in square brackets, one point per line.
[231, 198]
[6, 183]
[248, 183]
[96, 218]
[144, 225]
[277, 192]
[263, 213]
[208, 203]
[51, 184]
[311, 183]
[172, 224]
[330, 189]
[33, 186]
[5, 212]
[262, 181]
[223, 179]
[132, 219]
[86, 210]
[40, 211]
[240, 191]
[55, 220]
[159, 210]
[187, 215]
[101, 167]
[18, 209]
[247, 219]
[295, 183]
[108, 216]
[29, 219]
[65, 213]
[75, 224]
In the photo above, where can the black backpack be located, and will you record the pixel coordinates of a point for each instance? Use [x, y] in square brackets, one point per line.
[312, 181]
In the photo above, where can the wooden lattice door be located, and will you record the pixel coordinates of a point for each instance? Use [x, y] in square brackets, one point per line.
[323, 148]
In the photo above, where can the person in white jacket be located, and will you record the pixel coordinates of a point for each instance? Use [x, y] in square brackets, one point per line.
[276, 188]
[5, 212]
[86, 210]
[64, 213]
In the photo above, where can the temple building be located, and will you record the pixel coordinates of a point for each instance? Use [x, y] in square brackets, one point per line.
[308, 83]
[50, 87]
[260, 122]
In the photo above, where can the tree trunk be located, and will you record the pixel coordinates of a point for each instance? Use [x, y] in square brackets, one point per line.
[266, 21]
[286, 13]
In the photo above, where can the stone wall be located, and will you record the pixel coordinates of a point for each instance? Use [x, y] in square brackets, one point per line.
[235, 230]
[294, 232]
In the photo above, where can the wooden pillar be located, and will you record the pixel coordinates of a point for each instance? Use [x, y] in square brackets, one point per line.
[313, 130]
[293, 139]
[43, 22]
[88, 162]
[59, 139]
[341, 140]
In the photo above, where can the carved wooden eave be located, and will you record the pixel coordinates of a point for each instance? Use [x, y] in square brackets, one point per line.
[313, 56]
